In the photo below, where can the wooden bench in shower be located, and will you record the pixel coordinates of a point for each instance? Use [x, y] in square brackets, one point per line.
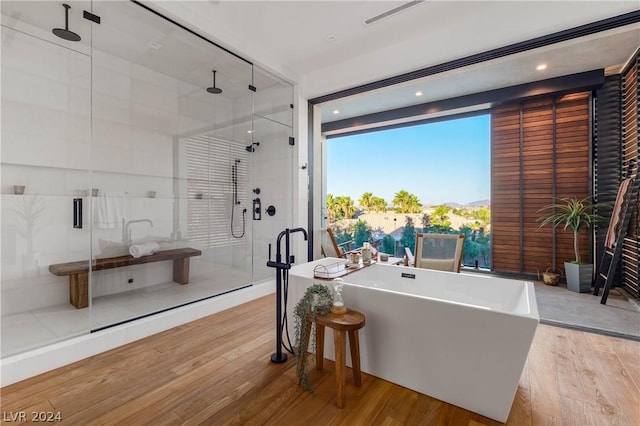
[78, 272]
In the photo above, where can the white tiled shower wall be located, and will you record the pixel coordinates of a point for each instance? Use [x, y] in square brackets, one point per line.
[73, 120]
[56, 126]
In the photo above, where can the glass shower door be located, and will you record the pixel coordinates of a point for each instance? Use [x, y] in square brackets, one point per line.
[273, 170]
[169, 166]
[46, 135]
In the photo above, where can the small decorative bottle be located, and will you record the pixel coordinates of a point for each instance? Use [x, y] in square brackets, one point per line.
[366, 253]
[338, 306]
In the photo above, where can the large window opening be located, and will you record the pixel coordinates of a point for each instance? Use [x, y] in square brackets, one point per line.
[386, 186]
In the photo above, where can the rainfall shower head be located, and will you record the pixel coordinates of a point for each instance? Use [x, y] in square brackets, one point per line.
[64, 33]
[215, 90]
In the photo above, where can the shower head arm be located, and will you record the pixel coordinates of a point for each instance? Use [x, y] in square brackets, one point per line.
[66, 16]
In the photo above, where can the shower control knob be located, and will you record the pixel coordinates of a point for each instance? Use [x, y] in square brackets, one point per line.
[256, 191]
[271, 210]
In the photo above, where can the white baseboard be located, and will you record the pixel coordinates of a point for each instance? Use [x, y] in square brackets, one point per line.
[28, 364]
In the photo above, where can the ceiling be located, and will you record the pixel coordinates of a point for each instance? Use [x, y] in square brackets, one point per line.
[607, 50]
[325, 46]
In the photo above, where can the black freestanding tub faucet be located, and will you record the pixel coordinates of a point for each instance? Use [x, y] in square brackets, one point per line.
[282, 275]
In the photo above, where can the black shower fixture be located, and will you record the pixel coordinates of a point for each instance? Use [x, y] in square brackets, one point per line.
[250, 148]
[213, 89]
[64, 33]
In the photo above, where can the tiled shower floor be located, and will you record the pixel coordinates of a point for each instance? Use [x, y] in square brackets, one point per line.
[29, 330]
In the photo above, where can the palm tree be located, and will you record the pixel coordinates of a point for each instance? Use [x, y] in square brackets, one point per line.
[401, 200]
[379, 204]
[414, 205]
[404, 202]
[330, 206]
[347, 207]
[366, 201]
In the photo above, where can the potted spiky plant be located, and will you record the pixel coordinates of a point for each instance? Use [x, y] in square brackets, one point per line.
[576, 214]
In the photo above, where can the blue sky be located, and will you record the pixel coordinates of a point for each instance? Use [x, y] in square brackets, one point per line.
[447, 161]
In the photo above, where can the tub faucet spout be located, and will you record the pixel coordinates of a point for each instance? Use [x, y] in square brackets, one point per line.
[304, 232]
[126, 229]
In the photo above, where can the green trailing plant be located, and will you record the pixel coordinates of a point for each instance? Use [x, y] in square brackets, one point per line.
[573, 213]
[317, 300]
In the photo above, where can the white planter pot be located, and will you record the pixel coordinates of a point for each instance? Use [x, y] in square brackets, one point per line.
[579, 276]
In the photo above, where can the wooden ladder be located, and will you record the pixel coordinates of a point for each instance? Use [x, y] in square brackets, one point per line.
[611, 255]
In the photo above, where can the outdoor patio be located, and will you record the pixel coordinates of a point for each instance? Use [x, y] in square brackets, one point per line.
[620, 317]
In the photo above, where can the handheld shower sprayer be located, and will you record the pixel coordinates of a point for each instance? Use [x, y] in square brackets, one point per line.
[234, 180]
[235, 201]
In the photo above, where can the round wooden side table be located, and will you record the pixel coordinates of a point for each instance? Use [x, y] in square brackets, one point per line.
[349, 322]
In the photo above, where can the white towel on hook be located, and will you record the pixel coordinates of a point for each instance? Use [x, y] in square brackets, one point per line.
[144, 249]
[108, 210]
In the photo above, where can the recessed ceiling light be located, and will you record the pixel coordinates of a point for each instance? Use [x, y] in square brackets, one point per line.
[418, 93]
[154, 45]
[541, 67]
[249, 131]
[335, 111]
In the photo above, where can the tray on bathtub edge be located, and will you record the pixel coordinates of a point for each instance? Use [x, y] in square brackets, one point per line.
[333, 270]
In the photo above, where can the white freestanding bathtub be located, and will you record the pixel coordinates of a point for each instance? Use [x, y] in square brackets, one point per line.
[461, 338]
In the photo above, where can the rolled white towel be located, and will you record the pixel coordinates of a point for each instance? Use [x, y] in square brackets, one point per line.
[144, 249]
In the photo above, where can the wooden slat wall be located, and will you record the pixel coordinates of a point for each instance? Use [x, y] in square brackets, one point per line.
[630, 152]
[537, 188]
[505, 188]
[526, 177]
[572, 171]
[607, 158]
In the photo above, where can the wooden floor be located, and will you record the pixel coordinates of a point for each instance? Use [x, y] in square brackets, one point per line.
[217, 371]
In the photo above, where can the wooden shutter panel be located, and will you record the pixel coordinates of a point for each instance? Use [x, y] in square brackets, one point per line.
[526, 176]
[505, 188]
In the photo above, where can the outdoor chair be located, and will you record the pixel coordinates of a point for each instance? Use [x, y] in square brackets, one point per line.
[442, 252]
[329, 246]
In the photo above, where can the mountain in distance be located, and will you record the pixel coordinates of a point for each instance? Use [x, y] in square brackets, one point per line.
[479, 203]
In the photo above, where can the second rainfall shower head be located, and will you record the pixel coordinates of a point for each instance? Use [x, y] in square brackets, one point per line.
[64, 33]
[213, 89]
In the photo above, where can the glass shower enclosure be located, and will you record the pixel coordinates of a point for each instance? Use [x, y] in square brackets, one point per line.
[140, 167]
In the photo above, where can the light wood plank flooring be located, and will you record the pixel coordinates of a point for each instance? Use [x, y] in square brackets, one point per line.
[217, 371]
